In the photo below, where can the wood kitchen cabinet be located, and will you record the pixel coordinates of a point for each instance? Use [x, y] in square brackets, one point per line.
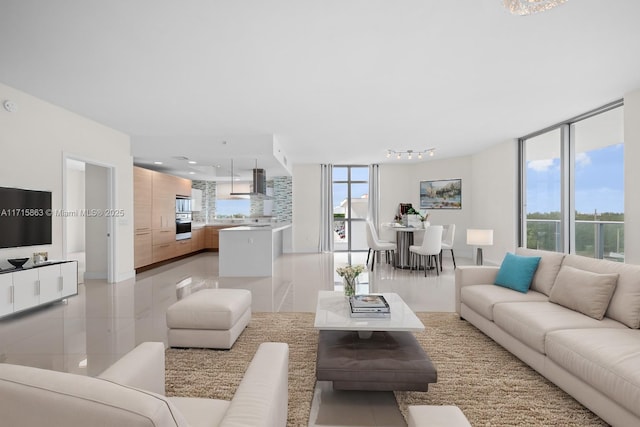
[212, 236]
[155, 217]
[142, 197]
[183, 247]
[142, 248]
[163, 208]
[163, 252]
[142, 201]
[208, 237]
[182, 186]
[197, 239]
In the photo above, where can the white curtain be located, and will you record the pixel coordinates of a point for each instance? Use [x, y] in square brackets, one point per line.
[374, 194]
[326, 208]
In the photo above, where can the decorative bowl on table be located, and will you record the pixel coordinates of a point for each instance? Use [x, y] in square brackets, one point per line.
[18, 262]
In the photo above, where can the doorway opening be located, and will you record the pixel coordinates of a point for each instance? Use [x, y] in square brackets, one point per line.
[88, 197]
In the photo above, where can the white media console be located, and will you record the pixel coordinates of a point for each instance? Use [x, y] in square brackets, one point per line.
[22, 289]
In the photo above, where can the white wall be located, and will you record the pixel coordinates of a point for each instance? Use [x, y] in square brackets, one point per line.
[306, 207]
[400, 183]
[75, 202]
[489, 193]
[396, 186]
[495, 198]
[34, 140]
[632, 177]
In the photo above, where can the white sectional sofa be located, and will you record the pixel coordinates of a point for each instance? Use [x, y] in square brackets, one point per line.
[131, 393]
[597, 361]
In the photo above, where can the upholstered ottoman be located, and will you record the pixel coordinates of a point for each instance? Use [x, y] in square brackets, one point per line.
[437, 416]
[210, 318]
[386, 361]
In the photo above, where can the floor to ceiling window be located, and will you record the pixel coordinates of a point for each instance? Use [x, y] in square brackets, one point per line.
[572, 193]
[351, 204]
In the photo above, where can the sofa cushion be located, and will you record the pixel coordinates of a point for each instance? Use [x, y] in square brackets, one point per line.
[529, 322]
[516, 272]
[482, 298]
[64, 399]
[625, 303]
[583, 291]
[547, 270]
[606, 359]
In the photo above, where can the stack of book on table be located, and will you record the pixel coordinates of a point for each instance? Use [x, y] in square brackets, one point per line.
[369, 306]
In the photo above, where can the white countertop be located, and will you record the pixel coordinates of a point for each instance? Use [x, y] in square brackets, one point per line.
[258, 227]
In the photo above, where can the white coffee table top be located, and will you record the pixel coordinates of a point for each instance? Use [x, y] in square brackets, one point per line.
[332, 314]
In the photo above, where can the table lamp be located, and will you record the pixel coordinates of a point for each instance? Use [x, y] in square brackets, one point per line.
[477, 237]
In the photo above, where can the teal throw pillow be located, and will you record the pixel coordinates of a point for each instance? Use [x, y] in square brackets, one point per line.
[516, 272]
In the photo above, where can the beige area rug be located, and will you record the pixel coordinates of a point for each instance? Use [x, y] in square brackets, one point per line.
[491, 386]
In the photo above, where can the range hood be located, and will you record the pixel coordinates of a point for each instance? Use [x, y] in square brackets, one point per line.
[258, 183]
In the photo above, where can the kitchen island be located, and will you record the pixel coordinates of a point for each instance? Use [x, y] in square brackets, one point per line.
[251, 250]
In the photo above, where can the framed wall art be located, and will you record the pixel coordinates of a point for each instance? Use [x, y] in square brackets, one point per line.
[441, 194]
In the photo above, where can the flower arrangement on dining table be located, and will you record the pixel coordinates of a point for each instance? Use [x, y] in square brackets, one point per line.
[349, 276]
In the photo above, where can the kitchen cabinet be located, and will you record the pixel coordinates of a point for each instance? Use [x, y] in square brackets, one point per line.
[142, 201]
[163, 252]
[155, 217]
[160, 237]
[182, 186]
[197, 239]
[209, 238]
[37, 285]
[212, 236]
[143, 248]
[142, 198]
[163, 206]
[183, 247]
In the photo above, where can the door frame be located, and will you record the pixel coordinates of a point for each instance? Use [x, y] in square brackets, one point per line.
[111, 199]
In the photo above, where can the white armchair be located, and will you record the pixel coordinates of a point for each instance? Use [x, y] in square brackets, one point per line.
[131, 393]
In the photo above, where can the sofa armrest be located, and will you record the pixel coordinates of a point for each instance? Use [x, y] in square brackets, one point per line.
[143, 368]
[263, 394]
[468, 275]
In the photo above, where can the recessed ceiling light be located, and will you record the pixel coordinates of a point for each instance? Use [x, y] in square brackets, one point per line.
[192, 173]
[192, 162]
[157, 163]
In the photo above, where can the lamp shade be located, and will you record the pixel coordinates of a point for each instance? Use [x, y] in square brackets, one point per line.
[477, 237]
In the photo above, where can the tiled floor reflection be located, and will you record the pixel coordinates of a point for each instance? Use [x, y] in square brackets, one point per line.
[88, 332]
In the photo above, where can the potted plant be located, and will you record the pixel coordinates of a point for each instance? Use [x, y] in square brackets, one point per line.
[421, 217]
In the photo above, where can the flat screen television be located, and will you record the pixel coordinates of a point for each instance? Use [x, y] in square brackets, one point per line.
[25, 217]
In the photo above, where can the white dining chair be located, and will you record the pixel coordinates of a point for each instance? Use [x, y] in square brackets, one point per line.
[447, 242]
[377, 245]
[429, 250]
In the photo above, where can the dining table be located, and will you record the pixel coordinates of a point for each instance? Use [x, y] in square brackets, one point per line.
[405, 236]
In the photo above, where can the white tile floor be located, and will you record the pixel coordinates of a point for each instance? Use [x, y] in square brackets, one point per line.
[88, 332]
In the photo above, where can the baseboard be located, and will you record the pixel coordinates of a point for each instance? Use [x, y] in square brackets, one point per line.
[91, 275]
[127, 275]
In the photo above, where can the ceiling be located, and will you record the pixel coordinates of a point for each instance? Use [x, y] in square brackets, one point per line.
[335, 81]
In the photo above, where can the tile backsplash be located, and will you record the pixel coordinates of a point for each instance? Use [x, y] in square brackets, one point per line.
[280, 205]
